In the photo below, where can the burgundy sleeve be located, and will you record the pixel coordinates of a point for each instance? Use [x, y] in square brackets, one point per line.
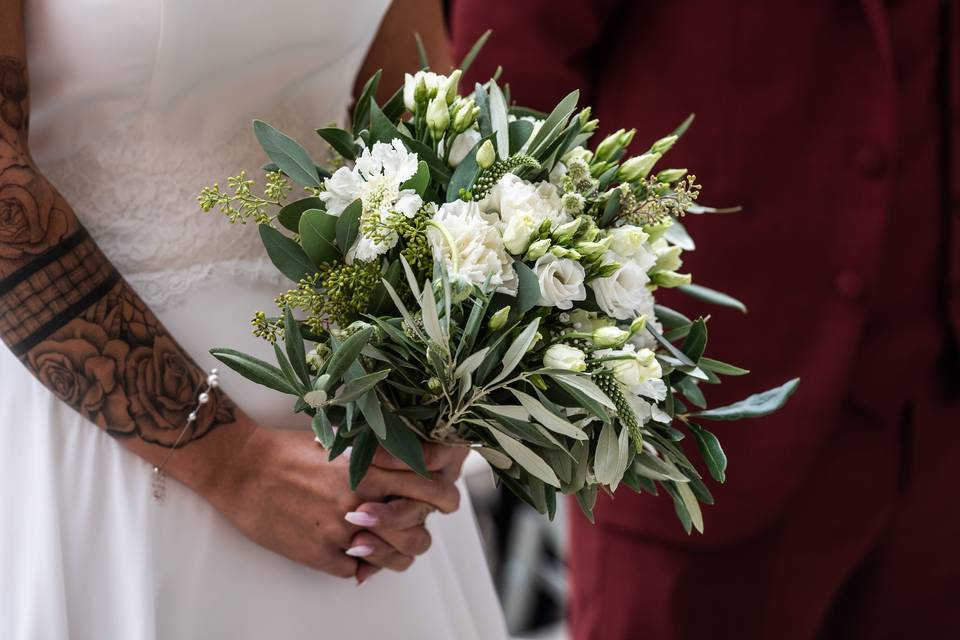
[547, 48]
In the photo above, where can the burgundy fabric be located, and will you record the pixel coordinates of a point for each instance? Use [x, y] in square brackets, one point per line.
[833, 124]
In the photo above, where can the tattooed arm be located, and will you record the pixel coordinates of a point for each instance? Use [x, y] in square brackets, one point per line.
[76, 325]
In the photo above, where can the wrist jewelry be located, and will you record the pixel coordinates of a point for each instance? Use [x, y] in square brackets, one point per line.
[159, 477]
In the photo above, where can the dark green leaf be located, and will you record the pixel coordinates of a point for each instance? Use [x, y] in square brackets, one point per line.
[380, 301]
[381, 128]
[519, 132]
[498, 120]
[361, 113]
[255, 370]
[293, 340]
[322, 429]
[713, 455]
[676, 353]
[348, 226]
[420, 180]
[528, 289]
[289, 215]
[364, 448]
[345, 354]
[483, 118]
[285, 254]
[466, 173]
[474, 50]
[554, 123]
[404, 444]
[670, 318]
[287, 369]
[318, 233]
[421, 52]
[289, 156]
[696, 340]
[587, 498]
[340, 140]
[682, 129]
[713, 297]
[691, 391]
[755, 406]
[611, 209]
[359, 386]
[724, 369]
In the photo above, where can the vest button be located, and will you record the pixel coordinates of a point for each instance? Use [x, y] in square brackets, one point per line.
[849, 284]
[870, 161]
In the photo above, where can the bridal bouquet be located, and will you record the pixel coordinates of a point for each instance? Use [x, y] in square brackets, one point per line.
[474, 272]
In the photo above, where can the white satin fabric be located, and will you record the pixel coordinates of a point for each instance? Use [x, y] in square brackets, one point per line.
[136, 105]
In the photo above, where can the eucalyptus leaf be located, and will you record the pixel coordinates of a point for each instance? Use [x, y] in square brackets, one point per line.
[289, 215]
[318, 233]
[519, 132]
[289, 156]
[348, 226]
[286, 255]
[528, 289]
[340, 140]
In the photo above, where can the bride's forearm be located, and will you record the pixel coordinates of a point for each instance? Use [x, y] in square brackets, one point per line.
[73, 321]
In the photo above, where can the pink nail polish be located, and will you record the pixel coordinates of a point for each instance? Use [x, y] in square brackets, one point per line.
[360, 551]
[361, 519]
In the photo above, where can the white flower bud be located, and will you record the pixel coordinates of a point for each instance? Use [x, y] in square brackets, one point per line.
[537, 249]
[499, 319]
[663, 144]
[450, 87]
[518, 232]
[632, 368]
[561, 356]
[639, 324]
[486, 155]
[409, 91]
[606, 337]
[637, 167]
[670, 279]
[438, 117]
[609, 146]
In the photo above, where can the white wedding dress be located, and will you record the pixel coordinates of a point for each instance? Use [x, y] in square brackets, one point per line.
[136, 104]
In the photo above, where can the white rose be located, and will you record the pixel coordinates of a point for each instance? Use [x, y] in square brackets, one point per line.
[478, 245]
[624, 295]
[517, 232]
[561, 281]
[462, 145]
[560, 356]
[627, 240]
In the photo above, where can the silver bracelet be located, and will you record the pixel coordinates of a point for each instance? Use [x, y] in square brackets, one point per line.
[159, 477]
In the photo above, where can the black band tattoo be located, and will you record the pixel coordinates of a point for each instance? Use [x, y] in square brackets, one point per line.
[70, 317]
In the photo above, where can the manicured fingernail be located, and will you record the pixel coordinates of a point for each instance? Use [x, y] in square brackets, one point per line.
[361, 519]
[360, 551]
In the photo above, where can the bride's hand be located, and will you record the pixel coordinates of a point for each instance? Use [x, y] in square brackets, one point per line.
[283, 493]
[382, 519]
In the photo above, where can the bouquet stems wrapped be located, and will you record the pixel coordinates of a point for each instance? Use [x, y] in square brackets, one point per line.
[476, 273]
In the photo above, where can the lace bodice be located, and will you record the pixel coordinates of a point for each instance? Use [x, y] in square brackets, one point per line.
[129, 130]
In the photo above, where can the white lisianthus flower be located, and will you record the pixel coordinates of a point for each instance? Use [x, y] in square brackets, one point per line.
[478, 246]
[668, 256]
[561, 356]
[461, 146]
[561, 281]
[609, 336]
[512, 196]
[624, 295]
[628, 240]
[376, 180]
[631, 367]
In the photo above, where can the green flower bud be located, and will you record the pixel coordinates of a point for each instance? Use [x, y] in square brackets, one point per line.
[566, 231]
[584, 115]
[562, 252]
[670, 279]
[591, 126]
[421, 92]
[594, 250]
[438, 117]
[597, 169]
[608, 270]
[671, 175]
[545, 227]
[450, 88]
[637, 167]
[663, 145]
[537, 249]
[639, 324]
[486, 155]
[608, 337]
[466, 113]
[626, 138]
[656, 231]
[434, 384]
[609, 146]
[499, 319]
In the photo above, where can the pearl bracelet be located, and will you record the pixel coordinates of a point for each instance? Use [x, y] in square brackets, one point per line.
[159, 477]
